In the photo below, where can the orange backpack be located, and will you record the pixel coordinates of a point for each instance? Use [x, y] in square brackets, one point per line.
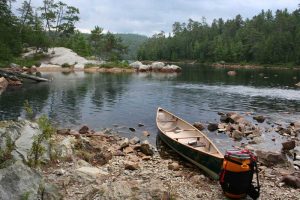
[237, 174]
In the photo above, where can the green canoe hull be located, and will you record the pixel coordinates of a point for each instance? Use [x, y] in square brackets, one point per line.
[208, 163]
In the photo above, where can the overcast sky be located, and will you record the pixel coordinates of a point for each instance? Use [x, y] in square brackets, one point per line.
[151, 16]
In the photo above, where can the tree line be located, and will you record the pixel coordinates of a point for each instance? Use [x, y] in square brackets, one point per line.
[266, 38]
[50, 25]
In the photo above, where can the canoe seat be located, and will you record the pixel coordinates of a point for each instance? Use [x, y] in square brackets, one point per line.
[196, 144]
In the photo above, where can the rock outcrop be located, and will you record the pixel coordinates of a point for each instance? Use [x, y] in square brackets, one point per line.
[155, 67]
[18, 181]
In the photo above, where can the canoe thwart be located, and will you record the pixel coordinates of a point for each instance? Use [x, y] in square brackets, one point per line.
[187, 137]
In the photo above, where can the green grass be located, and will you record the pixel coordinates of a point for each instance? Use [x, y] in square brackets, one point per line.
[117, 64]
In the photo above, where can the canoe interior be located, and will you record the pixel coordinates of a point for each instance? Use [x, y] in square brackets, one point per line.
[184, 133]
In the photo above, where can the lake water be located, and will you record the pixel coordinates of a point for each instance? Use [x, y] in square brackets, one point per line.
[120, 101]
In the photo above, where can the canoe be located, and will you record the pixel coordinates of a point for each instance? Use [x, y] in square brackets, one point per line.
[189, 142]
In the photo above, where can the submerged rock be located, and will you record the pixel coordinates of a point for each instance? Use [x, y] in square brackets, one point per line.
[231, 73]
[134, 140]
[259, 118]
[212, 127]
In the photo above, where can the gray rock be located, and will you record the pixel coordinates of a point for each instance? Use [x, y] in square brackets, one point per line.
[22, 133]
[65, 147]
[124, 143]
[19, 181]
[134, 140]
[156, 66]
[136, 64]
[50, 192]
[256, 140]
[297, 84]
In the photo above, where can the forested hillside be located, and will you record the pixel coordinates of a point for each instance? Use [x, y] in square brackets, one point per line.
[267, 38]
[133, 42]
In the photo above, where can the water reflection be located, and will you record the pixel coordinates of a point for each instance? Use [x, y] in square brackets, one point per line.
[196, 94]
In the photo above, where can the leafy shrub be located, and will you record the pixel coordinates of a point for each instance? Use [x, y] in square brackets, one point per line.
[65, 65]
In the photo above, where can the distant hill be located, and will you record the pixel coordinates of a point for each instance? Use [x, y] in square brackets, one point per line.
[133, 41]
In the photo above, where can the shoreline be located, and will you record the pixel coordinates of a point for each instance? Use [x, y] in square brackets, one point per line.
[90, 164]
[230, 65]
[90, 70]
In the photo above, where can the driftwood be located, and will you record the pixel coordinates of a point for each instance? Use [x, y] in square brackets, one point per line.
[19, 76]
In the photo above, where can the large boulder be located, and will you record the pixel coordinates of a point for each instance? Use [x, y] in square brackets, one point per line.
[171, 68]
[157, 66]
[22, 134]
[18, 181]
[136, 65]
[269, 159]
[144, 68]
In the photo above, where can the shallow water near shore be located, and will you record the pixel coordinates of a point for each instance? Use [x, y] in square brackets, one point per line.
[120, 101]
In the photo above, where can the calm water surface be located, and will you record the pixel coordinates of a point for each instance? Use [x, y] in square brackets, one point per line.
[120, 101]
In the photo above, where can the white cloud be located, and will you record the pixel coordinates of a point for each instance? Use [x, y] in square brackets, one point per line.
[148, 17]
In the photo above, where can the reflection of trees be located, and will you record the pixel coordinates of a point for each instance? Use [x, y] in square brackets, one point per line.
[108, 89]
[67, 97]
[12, 100]
[255, 77]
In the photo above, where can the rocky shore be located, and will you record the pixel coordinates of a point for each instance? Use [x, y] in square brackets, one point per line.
[88, 164]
